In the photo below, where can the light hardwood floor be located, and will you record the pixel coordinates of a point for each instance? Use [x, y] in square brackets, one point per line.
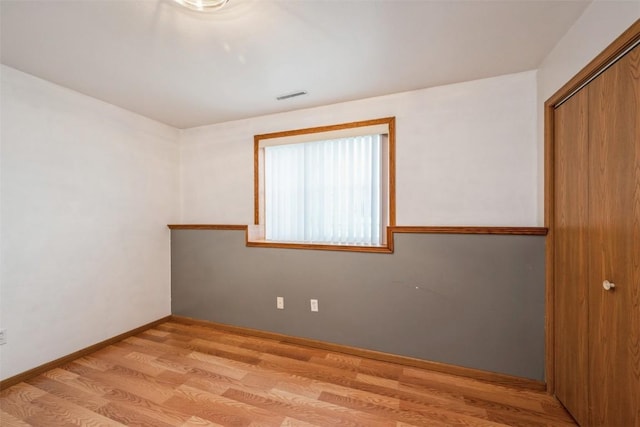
[193, 375]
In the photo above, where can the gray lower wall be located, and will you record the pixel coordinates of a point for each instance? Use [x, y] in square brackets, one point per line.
[469, 300]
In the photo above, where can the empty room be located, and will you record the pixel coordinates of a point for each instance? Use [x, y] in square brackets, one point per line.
[320, 212]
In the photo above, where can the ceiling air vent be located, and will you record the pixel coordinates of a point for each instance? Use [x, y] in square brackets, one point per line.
[291, 95]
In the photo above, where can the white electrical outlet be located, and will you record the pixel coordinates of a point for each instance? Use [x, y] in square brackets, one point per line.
[3, 336]
[314, 305]
[280, 303]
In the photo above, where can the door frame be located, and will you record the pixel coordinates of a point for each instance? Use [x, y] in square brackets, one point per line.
[592, 69]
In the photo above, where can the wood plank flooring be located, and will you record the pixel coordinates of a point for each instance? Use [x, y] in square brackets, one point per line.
[192, 375]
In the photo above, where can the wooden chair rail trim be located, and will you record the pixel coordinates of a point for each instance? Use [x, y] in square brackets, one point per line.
[34, 372]
[207, 227]
[491, 377]
[384, 249]
[536, 231]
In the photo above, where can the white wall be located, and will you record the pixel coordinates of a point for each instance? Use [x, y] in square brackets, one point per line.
[86, 192]
[466, 154]
[600, 24]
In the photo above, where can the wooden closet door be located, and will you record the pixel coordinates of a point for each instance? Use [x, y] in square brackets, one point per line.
[571, 274]
[614, 236]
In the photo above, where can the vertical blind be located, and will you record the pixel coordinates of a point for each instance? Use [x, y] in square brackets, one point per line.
[324, 191]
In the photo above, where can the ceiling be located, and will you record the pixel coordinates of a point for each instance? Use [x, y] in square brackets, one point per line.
[187, 69]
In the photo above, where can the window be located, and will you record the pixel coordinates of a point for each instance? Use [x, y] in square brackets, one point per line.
[326, 186]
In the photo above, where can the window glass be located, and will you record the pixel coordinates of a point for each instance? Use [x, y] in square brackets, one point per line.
[324, 191]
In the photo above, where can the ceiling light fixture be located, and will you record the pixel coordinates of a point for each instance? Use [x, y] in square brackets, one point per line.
[291, 95]
[203, 5]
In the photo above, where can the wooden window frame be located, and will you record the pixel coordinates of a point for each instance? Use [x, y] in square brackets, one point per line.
[256, 232]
